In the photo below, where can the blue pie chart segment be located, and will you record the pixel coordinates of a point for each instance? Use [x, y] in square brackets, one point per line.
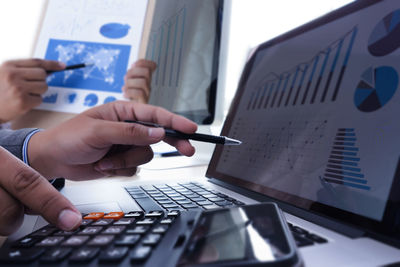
[114, 30]
[376, 87]
[91, 100]
[385, 37]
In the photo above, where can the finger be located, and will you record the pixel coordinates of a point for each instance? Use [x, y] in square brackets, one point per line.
[165, 118]
[125, 160]
[183, 146]
[34, 87]
[138, 72]
[126, 110]
[30, 101]
[33, 74]
[146, 64]
[138, 84]
[39, 63]
[11, 213]
[109, 133]
[135, 94]
[35, 192]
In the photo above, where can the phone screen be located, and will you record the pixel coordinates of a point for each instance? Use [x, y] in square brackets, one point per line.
[249, 233]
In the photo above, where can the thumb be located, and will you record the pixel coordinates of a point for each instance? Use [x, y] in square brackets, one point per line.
[36, 193]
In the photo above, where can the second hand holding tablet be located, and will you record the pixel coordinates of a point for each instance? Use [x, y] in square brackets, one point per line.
[196, 136]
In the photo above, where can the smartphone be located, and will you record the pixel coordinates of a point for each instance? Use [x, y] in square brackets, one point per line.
[251, 235]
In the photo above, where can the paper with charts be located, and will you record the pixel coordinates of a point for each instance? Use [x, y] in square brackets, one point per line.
[103, 33]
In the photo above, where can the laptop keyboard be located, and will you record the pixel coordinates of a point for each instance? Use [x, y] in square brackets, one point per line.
[110, 238]
[187, 196]
[182, 196]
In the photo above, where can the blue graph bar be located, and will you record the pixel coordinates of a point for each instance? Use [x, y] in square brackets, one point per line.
[353, 36]
[328, 51]
[332, 70]
[343, 162]
[269, 95]
[291, 87]
[284, 89]
[262, 96]
[276, 90]
[300, 84]
[173, 52]
[310, 80]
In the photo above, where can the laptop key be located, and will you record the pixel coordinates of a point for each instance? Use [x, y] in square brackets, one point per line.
[148, 204]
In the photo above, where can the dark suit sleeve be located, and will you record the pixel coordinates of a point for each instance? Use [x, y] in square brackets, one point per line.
[13, 140]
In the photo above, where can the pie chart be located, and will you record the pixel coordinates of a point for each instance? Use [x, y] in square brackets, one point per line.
[385, 37]
[376, 87]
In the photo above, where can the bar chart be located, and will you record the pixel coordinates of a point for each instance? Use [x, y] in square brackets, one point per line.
[342, 167]
[165, 48]
[316, 80]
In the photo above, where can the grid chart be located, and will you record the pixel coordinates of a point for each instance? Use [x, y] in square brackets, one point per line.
[279, 147]
[342, 167]
[318, 79]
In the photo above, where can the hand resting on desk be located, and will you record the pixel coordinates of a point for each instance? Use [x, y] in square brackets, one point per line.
[93, 144]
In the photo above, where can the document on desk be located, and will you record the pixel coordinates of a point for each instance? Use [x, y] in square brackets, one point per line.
[104, 34]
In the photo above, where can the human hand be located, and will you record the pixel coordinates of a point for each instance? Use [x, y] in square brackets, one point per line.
[23, 189]
[22, 82]
[98, 142]
[138, 80]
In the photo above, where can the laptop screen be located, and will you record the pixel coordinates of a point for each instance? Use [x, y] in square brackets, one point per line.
[317, 112]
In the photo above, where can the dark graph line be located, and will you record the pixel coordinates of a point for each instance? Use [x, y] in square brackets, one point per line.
[304, 81]
[283, 90]
[310, 80]
[332, 70]
[353, 37]
[320, 75]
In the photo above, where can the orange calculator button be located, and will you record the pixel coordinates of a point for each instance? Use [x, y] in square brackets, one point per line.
[114, 215]
[94, 215]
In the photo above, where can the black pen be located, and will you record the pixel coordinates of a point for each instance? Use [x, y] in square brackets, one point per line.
[223, 140]
[72, 67]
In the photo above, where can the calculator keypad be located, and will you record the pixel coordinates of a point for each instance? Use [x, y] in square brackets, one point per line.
[109, 237]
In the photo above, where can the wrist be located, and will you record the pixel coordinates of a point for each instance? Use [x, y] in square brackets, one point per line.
[39, 157]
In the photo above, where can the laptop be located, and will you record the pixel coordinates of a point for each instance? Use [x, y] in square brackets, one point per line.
[316, 112]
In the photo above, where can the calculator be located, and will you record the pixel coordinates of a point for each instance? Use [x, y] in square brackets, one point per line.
[237, 236]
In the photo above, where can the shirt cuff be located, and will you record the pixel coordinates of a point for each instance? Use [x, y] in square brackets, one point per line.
[25, 146]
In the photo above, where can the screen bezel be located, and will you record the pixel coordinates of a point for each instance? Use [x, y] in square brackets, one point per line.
[389, 226]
